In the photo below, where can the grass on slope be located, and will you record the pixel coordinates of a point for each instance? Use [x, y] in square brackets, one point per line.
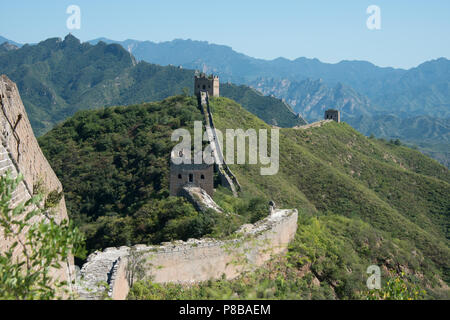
[270, 109]
[361, 202]
[340, 171]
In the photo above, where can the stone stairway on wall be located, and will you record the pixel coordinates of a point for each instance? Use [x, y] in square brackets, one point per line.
[228, 179]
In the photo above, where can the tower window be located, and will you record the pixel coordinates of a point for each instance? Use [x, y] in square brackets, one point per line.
[204, 87]
[191, 177]
[202, 177]
[179, 176]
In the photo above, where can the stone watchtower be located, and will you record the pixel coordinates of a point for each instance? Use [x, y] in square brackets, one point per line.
[333, 114]
[197, 175]
[204, 83]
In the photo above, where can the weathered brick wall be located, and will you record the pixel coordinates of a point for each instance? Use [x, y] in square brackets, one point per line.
[20, 153]
[21, 143]
[21, 193]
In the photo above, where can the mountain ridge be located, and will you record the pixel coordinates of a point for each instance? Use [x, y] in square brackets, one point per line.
[59, 76]
[3, 40]
[424, 97]
[363, 76]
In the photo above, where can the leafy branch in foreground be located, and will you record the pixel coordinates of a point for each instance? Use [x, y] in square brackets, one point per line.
[398, 287]
[38, 245]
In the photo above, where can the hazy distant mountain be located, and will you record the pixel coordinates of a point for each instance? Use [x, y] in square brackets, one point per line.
[6, 46]
[423, 90]
[58, 77]
[423, 128]
[270, 109]
[3, 40]
[238, 67]
[368, 96]
[311, 98]
[199, 55]
[431, 135]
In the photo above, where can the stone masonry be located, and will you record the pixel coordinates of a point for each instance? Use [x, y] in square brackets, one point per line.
[204, 83]
[190, 261]
[200, 175]
[20, 153]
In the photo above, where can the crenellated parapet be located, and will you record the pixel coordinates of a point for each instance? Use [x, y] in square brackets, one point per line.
[205, 83]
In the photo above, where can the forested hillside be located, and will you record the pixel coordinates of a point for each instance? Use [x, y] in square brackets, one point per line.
[114, 166]
[429, 132]
[361, 201]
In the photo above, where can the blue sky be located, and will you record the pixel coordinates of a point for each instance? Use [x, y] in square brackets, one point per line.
[330, 30]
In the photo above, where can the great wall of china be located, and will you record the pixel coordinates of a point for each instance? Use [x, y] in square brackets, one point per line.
[20, 153]
[228, 179]
[196, 259]
[189, 261]
[181, 262]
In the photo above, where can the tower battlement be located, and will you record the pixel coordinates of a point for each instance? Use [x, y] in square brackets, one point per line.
[207, 83]
[332, 114]
[187, 173]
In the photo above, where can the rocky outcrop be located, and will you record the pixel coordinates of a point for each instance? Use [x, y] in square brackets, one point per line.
[6, 46]
[199, 198]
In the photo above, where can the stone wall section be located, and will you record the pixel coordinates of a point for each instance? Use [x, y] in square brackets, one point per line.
[228, 179]
[20, 153]
[316, 124]
[18, 139]
[191, 261]
[21, 193]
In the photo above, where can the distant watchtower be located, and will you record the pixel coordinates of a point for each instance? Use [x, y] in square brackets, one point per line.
[208, 84]
[333, 114]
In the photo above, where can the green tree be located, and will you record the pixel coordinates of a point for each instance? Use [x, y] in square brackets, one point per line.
[38, 245]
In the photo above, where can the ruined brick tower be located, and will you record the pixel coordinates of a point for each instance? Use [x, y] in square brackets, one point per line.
[333, 114]
[204, 83]
[197, 175]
